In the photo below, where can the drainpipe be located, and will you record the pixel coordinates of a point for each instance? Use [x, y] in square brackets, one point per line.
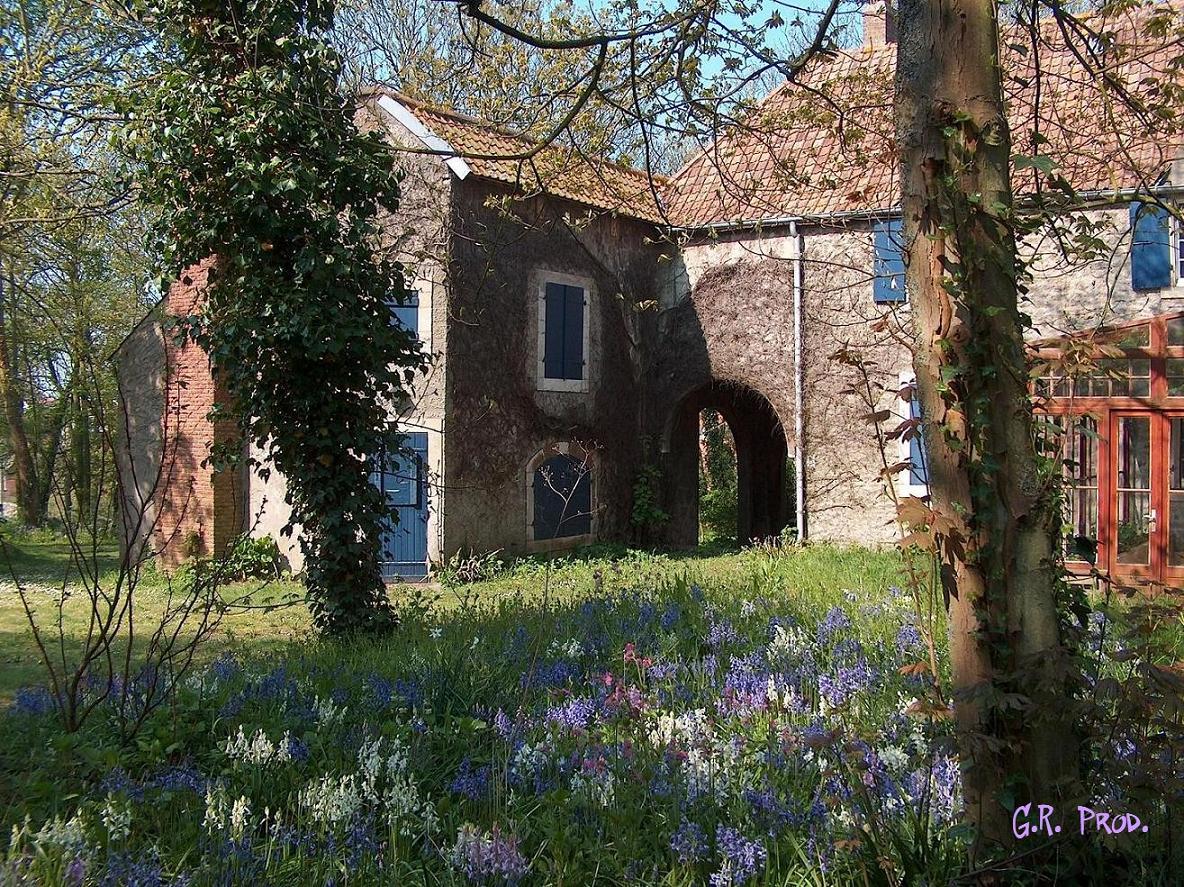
[799, 480]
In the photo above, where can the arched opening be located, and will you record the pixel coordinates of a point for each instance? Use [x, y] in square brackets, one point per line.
[763, 482]
[718, 493]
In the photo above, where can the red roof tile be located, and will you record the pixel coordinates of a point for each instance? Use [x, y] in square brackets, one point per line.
[493, 153]
[827, 146]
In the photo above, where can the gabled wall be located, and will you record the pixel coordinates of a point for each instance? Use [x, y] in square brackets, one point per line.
[172, 500]
[498, 420]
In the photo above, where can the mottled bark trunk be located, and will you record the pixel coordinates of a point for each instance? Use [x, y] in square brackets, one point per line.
[995, 518]
[24, 468]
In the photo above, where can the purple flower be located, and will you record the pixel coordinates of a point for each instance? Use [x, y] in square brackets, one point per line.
[721, 633]
[181, 779]
[573, 715]
[689, 842]
[845, 683]
[76, 872]
[908, 638]
[740, 858]
[836, 620]
[489, 858]
[503, 725]
[670, 617]
[224, 667]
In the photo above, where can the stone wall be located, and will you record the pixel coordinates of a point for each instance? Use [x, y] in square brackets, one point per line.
[415, 236]
[498, 419]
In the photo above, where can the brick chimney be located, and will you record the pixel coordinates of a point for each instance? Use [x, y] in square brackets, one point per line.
[879, 23]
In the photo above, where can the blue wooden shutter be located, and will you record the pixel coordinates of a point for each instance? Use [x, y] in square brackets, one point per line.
[573, 333]
[1151, 247]
[555, 311]
[406, 315]
[918, 464]
[889, 262]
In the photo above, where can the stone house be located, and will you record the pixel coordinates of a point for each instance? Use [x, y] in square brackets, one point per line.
[581, 314]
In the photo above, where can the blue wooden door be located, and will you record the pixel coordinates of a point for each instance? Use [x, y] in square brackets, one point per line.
[403, 482]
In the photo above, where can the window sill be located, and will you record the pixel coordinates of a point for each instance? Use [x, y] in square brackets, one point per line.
[573, 386]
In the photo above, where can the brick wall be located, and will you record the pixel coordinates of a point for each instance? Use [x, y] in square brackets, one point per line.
[200, 510]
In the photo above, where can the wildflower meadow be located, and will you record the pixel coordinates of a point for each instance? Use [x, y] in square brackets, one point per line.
[650, 728]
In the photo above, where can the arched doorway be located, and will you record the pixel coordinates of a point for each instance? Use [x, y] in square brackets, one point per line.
[763, 507]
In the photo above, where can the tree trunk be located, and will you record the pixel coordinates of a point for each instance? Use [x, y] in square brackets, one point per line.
[994, 518]
[80, 445]
[23, 466]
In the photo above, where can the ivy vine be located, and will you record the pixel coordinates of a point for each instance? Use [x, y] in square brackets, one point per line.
[250, 151]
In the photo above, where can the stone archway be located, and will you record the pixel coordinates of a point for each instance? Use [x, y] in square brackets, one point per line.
[763, 507]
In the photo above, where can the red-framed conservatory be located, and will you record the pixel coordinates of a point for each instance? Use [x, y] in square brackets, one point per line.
[1112, 401]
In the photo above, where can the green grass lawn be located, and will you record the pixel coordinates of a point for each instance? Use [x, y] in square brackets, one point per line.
[43, 563]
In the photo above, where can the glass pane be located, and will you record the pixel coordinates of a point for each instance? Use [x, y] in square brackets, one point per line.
[1140, 387]
[1176, 330]
[1176, 494]
[1080, 473]
[1176, 530]
[1134, 489]
[1175, 374]
[1139, 337]
[1081, 453]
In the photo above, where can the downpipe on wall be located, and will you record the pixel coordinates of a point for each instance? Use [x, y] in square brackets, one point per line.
[799, 482]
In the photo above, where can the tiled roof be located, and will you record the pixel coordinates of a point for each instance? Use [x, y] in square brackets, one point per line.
[493, 153]
[827, 145]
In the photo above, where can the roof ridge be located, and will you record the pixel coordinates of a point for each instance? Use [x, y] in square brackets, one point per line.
[428, 107]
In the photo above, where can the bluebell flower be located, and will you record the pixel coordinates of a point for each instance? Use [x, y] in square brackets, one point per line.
[835, 621]
[575, 714]
[503, 725]
[908, 638]
[124, 870]
[183, 778]
[379, 690]
[670, 616]
[740, 858]
[410, 691]
[845, 683]
[117, 781]
[470, 782]
[32, 701]
[489, 858]
[225, 667]
[689, 842]
[721, 633]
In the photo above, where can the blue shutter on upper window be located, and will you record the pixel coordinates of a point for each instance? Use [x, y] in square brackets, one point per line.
[563, 332]
[406, 315]
[1151, 247]
[889, 262]
[918, 464]
[573, 333]
[554, 311]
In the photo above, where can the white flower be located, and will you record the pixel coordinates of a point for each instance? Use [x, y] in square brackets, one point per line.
[327, 712]
[117, 819]
[895, 759]
[240, 814]
[436, 633]
[215, 818]
[597, 787]
[788, 643]
[331, 799]
[68, 836]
